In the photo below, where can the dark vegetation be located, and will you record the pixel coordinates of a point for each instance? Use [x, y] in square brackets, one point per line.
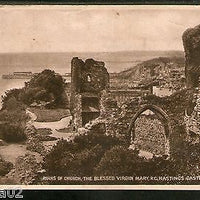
[46, 87]
[5, 167]
[100, 155]
[80, 157]
[44, 134]
[12, 121]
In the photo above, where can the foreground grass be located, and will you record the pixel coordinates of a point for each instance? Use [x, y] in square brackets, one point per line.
[50, 115]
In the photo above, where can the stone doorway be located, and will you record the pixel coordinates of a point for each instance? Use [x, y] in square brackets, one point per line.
[149, 130]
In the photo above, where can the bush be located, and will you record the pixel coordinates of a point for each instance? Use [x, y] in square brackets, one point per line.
[101, 155]
[13, 119]
[46, 86]
[81, 163]
[12, 133]
[5, 167]
[15, 116]
[9, 94]
[90, 140]
[119, 161]
[80, 156]
[13, 104]
[32, 94]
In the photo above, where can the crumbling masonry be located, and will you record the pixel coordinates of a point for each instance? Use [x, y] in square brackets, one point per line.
[88, 80]
[191, 42]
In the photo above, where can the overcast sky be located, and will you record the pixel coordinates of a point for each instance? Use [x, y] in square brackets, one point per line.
[92, 28]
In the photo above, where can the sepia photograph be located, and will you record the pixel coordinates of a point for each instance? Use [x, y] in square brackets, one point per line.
[99, 95]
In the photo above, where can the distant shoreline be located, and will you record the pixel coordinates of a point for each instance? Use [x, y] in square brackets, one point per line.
[61, 62]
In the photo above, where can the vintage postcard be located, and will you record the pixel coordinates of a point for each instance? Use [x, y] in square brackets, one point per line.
[100, 96]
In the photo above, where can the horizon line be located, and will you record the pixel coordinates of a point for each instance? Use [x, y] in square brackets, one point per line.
[18, 52]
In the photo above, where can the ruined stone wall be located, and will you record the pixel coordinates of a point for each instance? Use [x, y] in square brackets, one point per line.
[76, 112]
[191, 43]
[118, 119]
[94, 76]
[192, 120]
[89, 79]
[122, 96]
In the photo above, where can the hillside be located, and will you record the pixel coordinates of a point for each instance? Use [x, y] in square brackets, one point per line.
[163, 69]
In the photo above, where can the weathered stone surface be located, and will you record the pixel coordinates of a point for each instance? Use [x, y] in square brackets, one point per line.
[95, 77]
[76, 66]
[76, 110]
[88, 76]
[191, 42]
[97, 126]
[89, 80]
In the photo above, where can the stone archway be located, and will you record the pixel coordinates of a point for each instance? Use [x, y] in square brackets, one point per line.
[161, 115]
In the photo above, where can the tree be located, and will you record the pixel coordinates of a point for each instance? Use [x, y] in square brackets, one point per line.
[46, 86]
[50, 87]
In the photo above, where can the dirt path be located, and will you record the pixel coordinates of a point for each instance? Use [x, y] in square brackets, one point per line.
[54, 126]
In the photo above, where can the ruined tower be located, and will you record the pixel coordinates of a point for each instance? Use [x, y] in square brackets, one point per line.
[191, 43]
[88, 80]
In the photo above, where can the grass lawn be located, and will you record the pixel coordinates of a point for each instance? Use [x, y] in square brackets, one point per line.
[50, 115]
[65, 130]
[44, 131]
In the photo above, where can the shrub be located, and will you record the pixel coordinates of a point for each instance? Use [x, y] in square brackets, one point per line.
[101, 155]
[52, 161]
[9, 94]
[81, 163]
[5, 167]
[89, 140]
[14, 116]
[80, 156]
[32, 94]
[12, 133]
[46, 86]
[13, 104]
[13, 119]
[119, 161]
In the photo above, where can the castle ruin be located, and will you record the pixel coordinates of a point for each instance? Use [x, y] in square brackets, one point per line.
[88, 80]
[191, 42]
